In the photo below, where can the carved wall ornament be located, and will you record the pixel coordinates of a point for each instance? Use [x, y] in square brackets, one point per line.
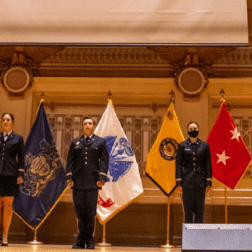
[191, 77]
[191, 81]
[16, 80]
[18, 76]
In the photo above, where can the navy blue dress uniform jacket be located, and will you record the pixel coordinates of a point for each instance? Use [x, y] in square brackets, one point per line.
[193, 165]
[87, 163]
[12, 155]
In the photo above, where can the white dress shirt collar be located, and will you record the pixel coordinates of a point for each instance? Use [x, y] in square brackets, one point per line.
[4, 133]
[89, 136]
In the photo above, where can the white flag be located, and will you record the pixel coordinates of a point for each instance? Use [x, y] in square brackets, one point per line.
[123, 181]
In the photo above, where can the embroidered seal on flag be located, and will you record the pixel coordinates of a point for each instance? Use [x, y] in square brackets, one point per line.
[168, 148]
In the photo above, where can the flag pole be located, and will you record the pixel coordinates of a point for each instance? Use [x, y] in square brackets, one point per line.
[168, 245]
[226, 217]
[104, 243]
[222, 100]
[35, 242]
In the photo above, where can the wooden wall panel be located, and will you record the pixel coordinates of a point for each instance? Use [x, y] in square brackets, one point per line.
[136, 225]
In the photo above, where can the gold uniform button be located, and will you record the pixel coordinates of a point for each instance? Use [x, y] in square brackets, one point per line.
[194, 169]
[85, 162]
[85, 157]
[193, 163]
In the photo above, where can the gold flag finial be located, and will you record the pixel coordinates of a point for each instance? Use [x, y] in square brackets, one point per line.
[42, 99]
[109, 97]
[109, 94]
[222, 100]
[172, 96]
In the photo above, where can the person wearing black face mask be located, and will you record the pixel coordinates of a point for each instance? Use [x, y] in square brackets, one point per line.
[193, 174]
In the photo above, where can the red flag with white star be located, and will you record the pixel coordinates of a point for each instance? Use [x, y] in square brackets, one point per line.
[229, 154]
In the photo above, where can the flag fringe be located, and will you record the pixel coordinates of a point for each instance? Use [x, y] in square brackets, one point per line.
[42, 221]
[116, 212]
[243, 173]
[23, 220]
[238, 180]
[111, 103]
[160, 187]
[222, 101]
[40, 102]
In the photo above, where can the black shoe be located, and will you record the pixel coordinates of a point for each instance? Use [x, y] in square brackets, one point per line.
[4, 244]
[79, 245]
[90, 246]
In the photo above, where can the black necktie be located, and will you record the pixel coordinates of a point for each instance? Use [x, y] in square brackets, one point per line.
[87, 140]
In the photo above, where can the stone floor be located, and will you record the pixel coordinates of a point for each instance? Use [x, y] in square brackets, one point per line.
[66, 248]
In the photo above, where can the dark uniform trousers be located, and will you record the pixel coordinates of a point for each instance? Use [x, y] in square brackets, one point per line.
[87, 163]
[194, 201]
[85, 202]
[193, 173]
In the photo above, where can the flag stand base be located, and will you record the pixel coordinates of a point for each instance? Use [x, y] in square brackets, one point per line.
[167, 245]
[35, 242]
[103, 244]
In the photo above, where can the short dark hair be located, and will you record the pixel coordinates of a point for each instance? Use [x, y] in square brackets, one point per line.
[86, 118]
[10, 114]
[192, 123]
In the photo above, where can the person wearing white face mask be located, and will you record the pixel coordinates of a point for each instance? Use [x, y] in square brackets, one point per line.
[193, 174]
[11, 168]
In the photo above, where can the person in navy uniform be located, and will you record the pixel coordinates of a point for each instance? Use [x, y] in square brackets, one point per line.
[87, 167]
[11, 168]
[193, 174]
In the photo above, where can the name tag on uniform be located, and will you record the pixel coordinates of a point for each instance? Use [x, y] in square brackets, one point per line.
[187, 149]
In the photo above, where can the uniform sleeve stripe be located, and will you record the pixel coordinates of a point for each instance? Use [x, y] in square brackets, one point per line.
[209, 179]
[102, 173]
[70, 173]
[178, 179]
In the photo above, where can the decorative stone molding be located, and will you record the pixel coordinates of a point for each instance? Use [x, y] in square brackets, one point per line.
[240, 56]
[106, 55]
[122, 61]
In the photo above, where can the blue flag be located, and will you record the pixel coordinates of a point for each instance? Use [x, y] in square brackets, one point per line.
[44, 177]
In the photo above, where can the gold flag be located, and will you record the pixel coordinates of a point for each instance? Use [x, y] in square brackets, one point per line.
[160, 167]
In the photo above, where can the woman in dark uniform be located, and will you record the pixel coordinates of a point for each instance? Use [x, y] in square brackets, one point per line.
[193, 174]
[11, 169]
